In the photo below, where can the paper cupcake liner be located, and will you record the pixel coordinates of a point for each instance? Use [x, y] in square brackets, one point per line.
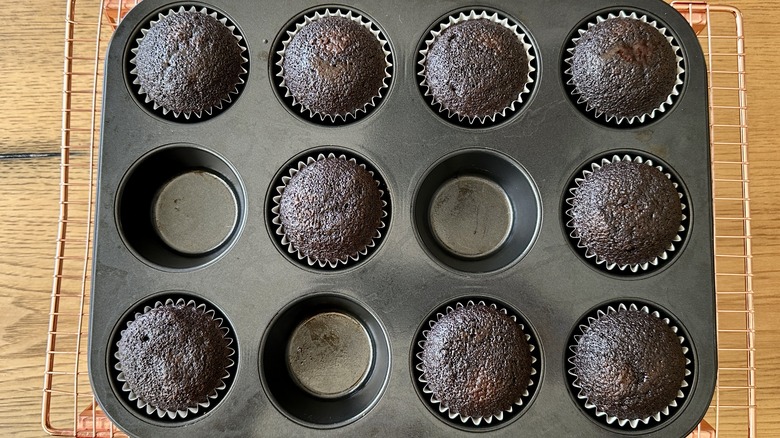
[363, 21]
[476, 421]
[625, 422]
[277, 221]
[589, 253]
[208, 111]
[210, 398]
[476, 15]
[610, 118]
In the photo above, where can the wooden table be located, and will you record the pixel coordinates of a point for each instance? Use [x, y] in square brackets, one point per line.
[30, 119]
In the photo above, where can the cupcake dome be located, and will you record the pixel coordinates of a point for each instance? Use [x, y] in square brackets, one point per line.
[477, 362]
[629, 364]
[189, 62]
[334, 67]
[476, 68]
[331, 210]
[623, 68]
[173, 357]
[626, 213]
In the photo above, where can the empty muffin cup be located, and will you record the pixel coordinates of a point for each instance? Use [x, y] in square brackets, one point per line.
[471, 216]
[619, 381]
[477, 211]
[330, 354]
[180, 207]
[325, 360]
[195, 212]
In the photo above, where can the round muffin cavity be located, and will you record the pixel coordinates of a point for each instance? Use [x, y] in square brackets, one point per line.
[173, 358]
[334, 65]
[476, 363]
[626, 213]
[476, 67]
[188, 62]
[624, 68]
[330, 210]
[629, 365]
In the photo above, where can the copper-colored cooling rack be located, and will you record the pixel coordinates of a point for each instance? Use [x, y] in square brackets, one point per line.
[69, 409]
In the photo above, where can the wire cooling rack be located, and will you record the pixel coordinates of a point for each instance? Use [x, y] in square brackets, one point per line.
[69, 409]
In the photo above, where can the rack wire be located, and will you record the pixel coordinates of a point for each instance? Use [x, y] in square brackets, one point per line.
[721, 34]
[69, 408]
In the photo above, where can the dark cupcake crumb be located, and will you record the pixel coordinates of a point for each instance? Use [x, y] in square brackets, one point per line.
[476, 68]
[173, 356]
[189, 62]
[626, 213]
[477, 361]
[630, 364]
[624, 67]
[331, 209]
[334, 66]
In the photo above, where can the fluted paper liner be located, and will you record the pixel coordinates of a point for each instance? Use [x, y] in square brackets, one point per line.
[476, 15]
[634, 119]
[277, 221]
[589, 253]
[627, 422]
[350, 15]
[210, 398]
[476, 421]
[197, 114]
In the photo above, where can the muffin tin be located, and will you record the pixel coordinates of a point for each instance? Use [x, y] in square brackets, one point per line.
[514, 175]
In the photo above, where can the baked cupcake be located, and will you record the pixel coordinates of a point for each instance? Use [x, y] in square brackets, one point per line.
[476, 363]
[334, 65]
[476, 66]
[173, 358]
[329, 211]
[188, 62]
[624, 68]
[626, 213]
[629, 365]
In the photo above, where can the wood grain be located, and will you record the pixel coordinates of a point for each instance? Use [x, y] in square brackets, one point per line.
[31, 59]
[31, 66]
[762, 34]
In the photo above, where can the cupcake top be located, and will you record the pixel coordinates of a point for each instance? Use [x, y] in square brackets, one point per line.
[188, 62]
[626, 212]
[476, 68]
[477, 361]
[624, 67]
[331, 209]
[334, 66]
[174, 356]
[629, 364]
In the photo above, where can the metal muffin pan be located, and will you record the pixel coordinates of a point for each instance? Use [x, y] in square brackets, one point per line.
[525, 163]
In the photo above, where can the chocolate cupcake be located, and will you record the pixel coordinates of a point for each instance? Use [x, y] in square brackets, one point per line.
[625, 68]
[188, 62]
[476, 363]
[329, 210]
[476, 66]
[334, 65]
[626, 213]
[173, 358]
[629, 365]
